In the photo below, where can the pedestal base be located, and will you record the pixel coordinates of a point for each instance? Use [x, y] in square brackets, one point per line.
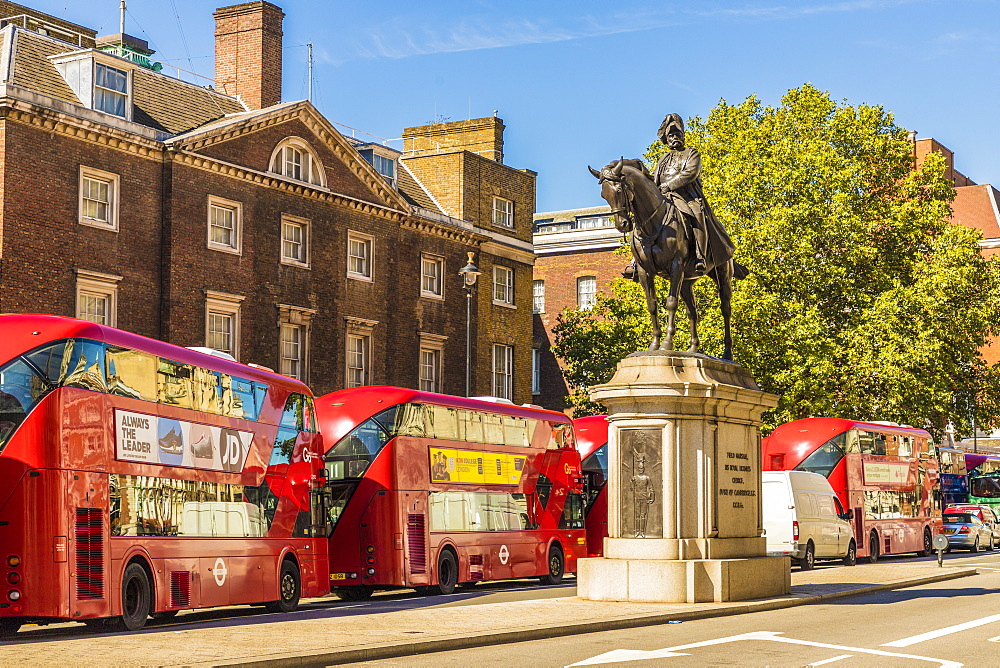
[683, 581]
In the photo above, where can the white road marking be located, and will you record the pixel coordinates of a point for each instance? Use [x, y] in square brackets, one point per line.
[637, 655]
[997, 639]
[831, 660]
[930, 635]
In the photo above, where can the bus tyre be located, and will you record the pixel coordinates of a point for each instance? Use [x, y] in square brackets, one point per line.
[851, 558]
[289, 589]
[808, 562]
[928, 544]
[447, 572]
[137, 599]
[8, 627]
[354, 592]
[873, 547]
[557, 566]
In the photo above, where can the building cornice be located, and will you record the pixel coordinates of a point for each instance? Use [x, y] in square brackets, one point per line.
[278, 182]
[34, 114]
[425, 226]
[509, 252]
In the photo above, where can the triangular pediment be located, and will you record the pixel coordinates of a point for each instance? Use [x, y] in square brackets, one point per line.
[247, 139]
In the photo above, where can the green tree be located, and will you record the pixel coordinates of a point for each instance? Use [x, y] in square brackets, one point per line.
[862, 300]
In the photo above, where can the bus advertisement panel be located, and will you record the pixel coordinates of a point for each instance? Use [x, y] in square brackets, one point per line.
[139, 478]
[429, 491]
[592, 442]
[886, 475]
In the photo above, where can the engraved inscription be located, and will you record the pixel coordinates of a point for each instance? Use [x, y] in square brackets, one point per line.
[737, 481]
[641, 482]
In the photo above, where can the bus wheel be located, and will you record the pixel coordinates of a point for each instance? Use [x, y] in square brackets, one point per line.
[557, 565]
[447, 572]
[137, 599]
[928, 544]
[808, 562]
[851, 558]
[873, 547]
[8, 627]
[288, 588]
[354, 592]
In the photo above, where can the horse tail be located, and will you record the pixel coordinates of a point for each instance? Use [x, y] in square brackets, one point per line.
[739, 271]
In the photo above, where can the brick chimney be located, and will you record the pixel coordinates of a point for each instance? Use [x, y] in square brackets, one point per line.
[248, 52]
[483, 136]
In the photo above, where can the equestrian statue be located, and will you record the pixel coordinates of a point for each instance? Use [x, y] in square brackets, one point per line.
[672, 232]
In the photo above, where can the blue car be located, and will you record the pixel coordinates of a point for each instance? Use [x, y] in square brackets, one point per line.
[967, 532]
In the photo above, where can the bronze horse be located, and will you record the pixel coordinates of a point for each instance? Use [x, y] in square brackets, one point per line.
[661, 243]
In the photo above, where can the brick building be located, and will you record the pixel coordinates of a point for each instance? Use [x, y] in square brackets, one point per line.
[575, 260]
[219, 216]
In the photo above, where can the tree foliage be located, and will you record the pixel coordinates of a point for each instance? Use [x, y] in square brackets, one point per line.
[863, 301]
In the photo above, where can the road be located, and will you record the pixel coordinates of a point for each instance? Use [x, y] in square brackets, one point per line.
[946, 624]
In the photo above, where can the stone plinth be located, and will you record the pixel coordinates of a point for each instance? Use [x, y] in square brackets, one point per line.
[684, 485]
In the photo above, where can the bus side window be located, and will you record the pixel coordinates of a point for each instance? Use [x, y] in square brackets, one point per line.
[83, 365]
[173, 383]
[131, 373]
[880, 448]
[572, 516]
[866, 440]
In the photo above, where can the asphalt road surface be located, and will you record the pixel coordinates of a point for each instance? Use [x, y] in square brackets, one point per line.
[948, 624]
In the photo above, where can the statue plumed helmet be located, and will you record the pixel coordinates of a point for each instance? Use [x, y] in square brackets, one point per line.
[670, 121]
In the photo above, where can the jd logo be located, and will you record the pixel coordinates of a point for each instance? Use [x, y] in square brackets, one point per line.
[232, 450]
[220, 572]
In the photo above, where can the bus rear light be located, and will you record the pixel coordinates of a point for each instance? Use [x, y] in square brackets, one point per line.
[371, 560]
[371, 549]
[13, 561]
[14, 595]
[795, 531]
[371, 571]
[13, 578]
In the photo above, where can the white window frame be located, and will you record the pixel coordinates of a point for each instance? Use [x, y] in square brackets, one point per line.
[586, 300]
[433, 346]
[225, 305]
[369, 243]
[311, 169]
[358, 330]
[538, 296]
[292, 350]
[503, 371]
[428, 260]
[503, 213]
[301, 319]
[503, 286]
[97, 285]
[237, 246]
[112, 181]
[536, 371]
[127, 107]
[306, 227]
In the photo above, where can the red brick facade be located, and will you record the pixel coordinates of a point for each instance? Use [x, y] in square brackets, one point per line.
[164, 271]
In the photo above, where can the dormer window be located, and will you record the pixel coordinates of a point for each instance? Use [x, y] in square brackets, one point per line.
[103, 82]
[294, 159]
[110, 90]
[382, 158]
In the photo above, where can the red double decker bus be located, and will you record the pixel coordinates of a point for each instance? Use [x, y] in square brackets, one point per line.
[592, 442]
[886, 474]
[139, 478]
[430, 491]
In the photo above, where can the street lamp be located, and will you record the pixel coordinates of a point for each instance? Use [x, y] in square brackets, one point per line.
[469, 273]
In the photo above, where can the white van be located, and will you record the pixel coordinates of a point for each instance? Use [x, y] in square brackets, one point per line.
[803, 519]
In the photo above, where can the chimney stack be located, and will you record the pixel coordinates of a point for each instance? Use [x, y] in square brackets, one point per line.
[248, 52]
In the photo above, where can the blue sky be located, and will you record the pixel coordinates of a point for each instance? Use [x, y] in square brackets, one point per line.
[583, 82]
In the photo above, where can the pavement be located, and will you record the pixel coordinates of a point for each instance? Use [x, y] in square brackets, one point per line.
[326, 633]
